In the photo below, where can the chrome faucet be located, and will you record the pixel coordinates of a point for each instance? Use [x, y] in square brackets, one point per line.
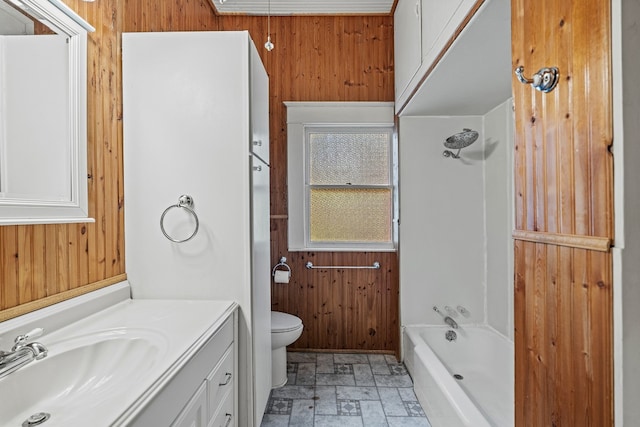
[449, 321]
[22, 352]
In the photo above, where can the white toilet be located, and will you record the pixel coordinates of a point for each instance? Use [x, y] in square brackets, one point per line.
[285, 329]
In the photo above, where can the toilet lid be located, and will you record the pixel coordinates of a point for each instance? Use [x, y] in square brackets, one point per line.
[284, 322]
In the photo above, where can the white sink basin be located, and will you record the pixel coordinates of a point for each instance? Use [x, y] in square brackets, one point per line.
[84, 373]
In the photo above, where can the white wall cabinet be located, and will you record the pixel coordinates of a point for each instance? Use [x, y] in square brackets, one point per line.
[436, 15]
[407, 49]
[196, 122]
[422, 29]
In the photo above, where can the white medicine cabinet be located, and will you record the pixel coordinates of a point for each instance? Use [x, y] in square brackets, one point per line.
[43, 131]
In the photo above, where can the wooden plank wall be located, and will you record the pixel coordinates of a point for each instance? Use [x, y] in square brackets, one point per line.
[564, 211]
[327, 59]
[43, 264]
[331, 58]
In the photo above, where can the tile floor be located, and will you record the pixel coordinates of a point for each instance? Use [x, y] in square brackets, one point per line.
[344, 390]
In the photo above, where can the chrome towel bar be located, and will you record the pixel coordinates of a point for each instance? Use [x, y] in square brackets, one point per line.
[376, 265]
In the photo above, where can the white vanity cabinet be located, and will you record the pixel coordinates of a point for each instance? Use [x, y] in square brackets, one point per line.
[203, 393]
[422, 29]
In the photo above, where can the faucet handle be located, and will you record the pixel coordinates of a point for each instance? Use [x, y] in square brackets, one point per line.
[450, 311]
[23, 339]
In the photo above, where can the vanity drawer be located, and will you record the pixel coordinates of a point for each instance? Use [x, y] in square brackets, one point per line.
[220, 381]
[225, 416]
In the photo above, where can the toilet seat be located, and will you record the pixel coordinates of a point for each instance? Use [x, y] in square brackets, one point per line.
[284, 322]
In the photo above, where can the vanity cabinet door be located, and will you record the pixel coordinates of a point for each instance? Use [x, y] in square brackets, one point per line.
[195, 413]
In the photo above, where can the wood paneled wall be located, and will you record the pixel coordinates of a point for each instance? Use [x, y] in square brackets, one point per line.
[330, 58]
[168, 15]
[343, 58]
[43, 264]
[564, 213]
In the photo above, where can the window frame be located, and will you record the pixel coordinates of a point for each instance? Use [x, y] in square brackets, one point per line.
[304, 116]
[355, 129]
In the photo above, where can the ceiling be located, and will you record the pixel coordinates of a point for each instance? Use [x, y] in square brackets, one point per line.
[304, 7]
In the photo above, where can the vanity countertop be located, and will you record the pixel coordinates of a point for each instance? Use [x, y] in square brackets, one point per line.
[109, 363]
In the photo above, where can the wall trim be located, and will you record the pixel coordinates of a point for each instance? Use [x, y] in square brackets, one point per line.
[19, 310]
[592, 243]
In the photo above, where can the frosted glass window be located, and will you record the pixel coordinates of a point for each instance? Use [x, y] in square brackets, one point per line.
[349, 186]
[347, 158]
[350, 215]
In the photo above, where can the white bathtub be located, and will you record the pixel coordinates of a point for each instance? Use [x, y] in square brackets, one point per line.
[484, 358]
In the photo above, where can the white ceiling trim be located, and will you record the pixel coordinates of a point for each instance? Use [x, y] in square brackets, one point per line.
[304, 7]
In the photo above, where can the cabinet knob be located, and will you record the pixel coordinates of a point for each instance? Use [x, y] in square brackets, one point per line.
[257, 143]
[229, 417]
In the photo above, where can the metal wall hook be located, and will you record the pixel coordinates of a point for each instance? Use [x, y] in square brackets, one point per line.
[545, 80]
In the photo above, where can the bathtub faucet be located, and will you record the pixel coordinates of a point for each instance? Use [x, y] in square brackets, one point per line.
[449, 321]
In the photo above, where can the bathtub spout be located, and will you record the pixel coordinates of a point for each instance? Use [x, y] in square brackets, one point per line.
[452, 323]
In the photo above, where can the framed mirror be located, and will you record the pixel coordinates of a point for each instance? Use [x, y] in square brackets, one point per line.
[43, 114]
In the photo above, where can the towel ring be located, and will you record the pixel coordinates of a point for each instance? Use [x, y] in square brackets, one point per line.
[184, 202]
[282, 263]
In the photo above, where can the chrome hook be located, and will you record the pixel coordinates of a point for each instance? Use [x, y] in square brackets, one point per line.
[545, 80]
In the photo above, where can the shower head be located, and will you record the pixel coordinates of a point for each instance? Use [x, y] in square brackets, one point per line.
[459, 141]
[462, 139]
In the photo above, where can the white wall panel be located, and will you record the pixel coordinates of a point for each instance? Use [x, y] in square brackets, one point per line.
[499, 203]
[456, 218]
[442, 253]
